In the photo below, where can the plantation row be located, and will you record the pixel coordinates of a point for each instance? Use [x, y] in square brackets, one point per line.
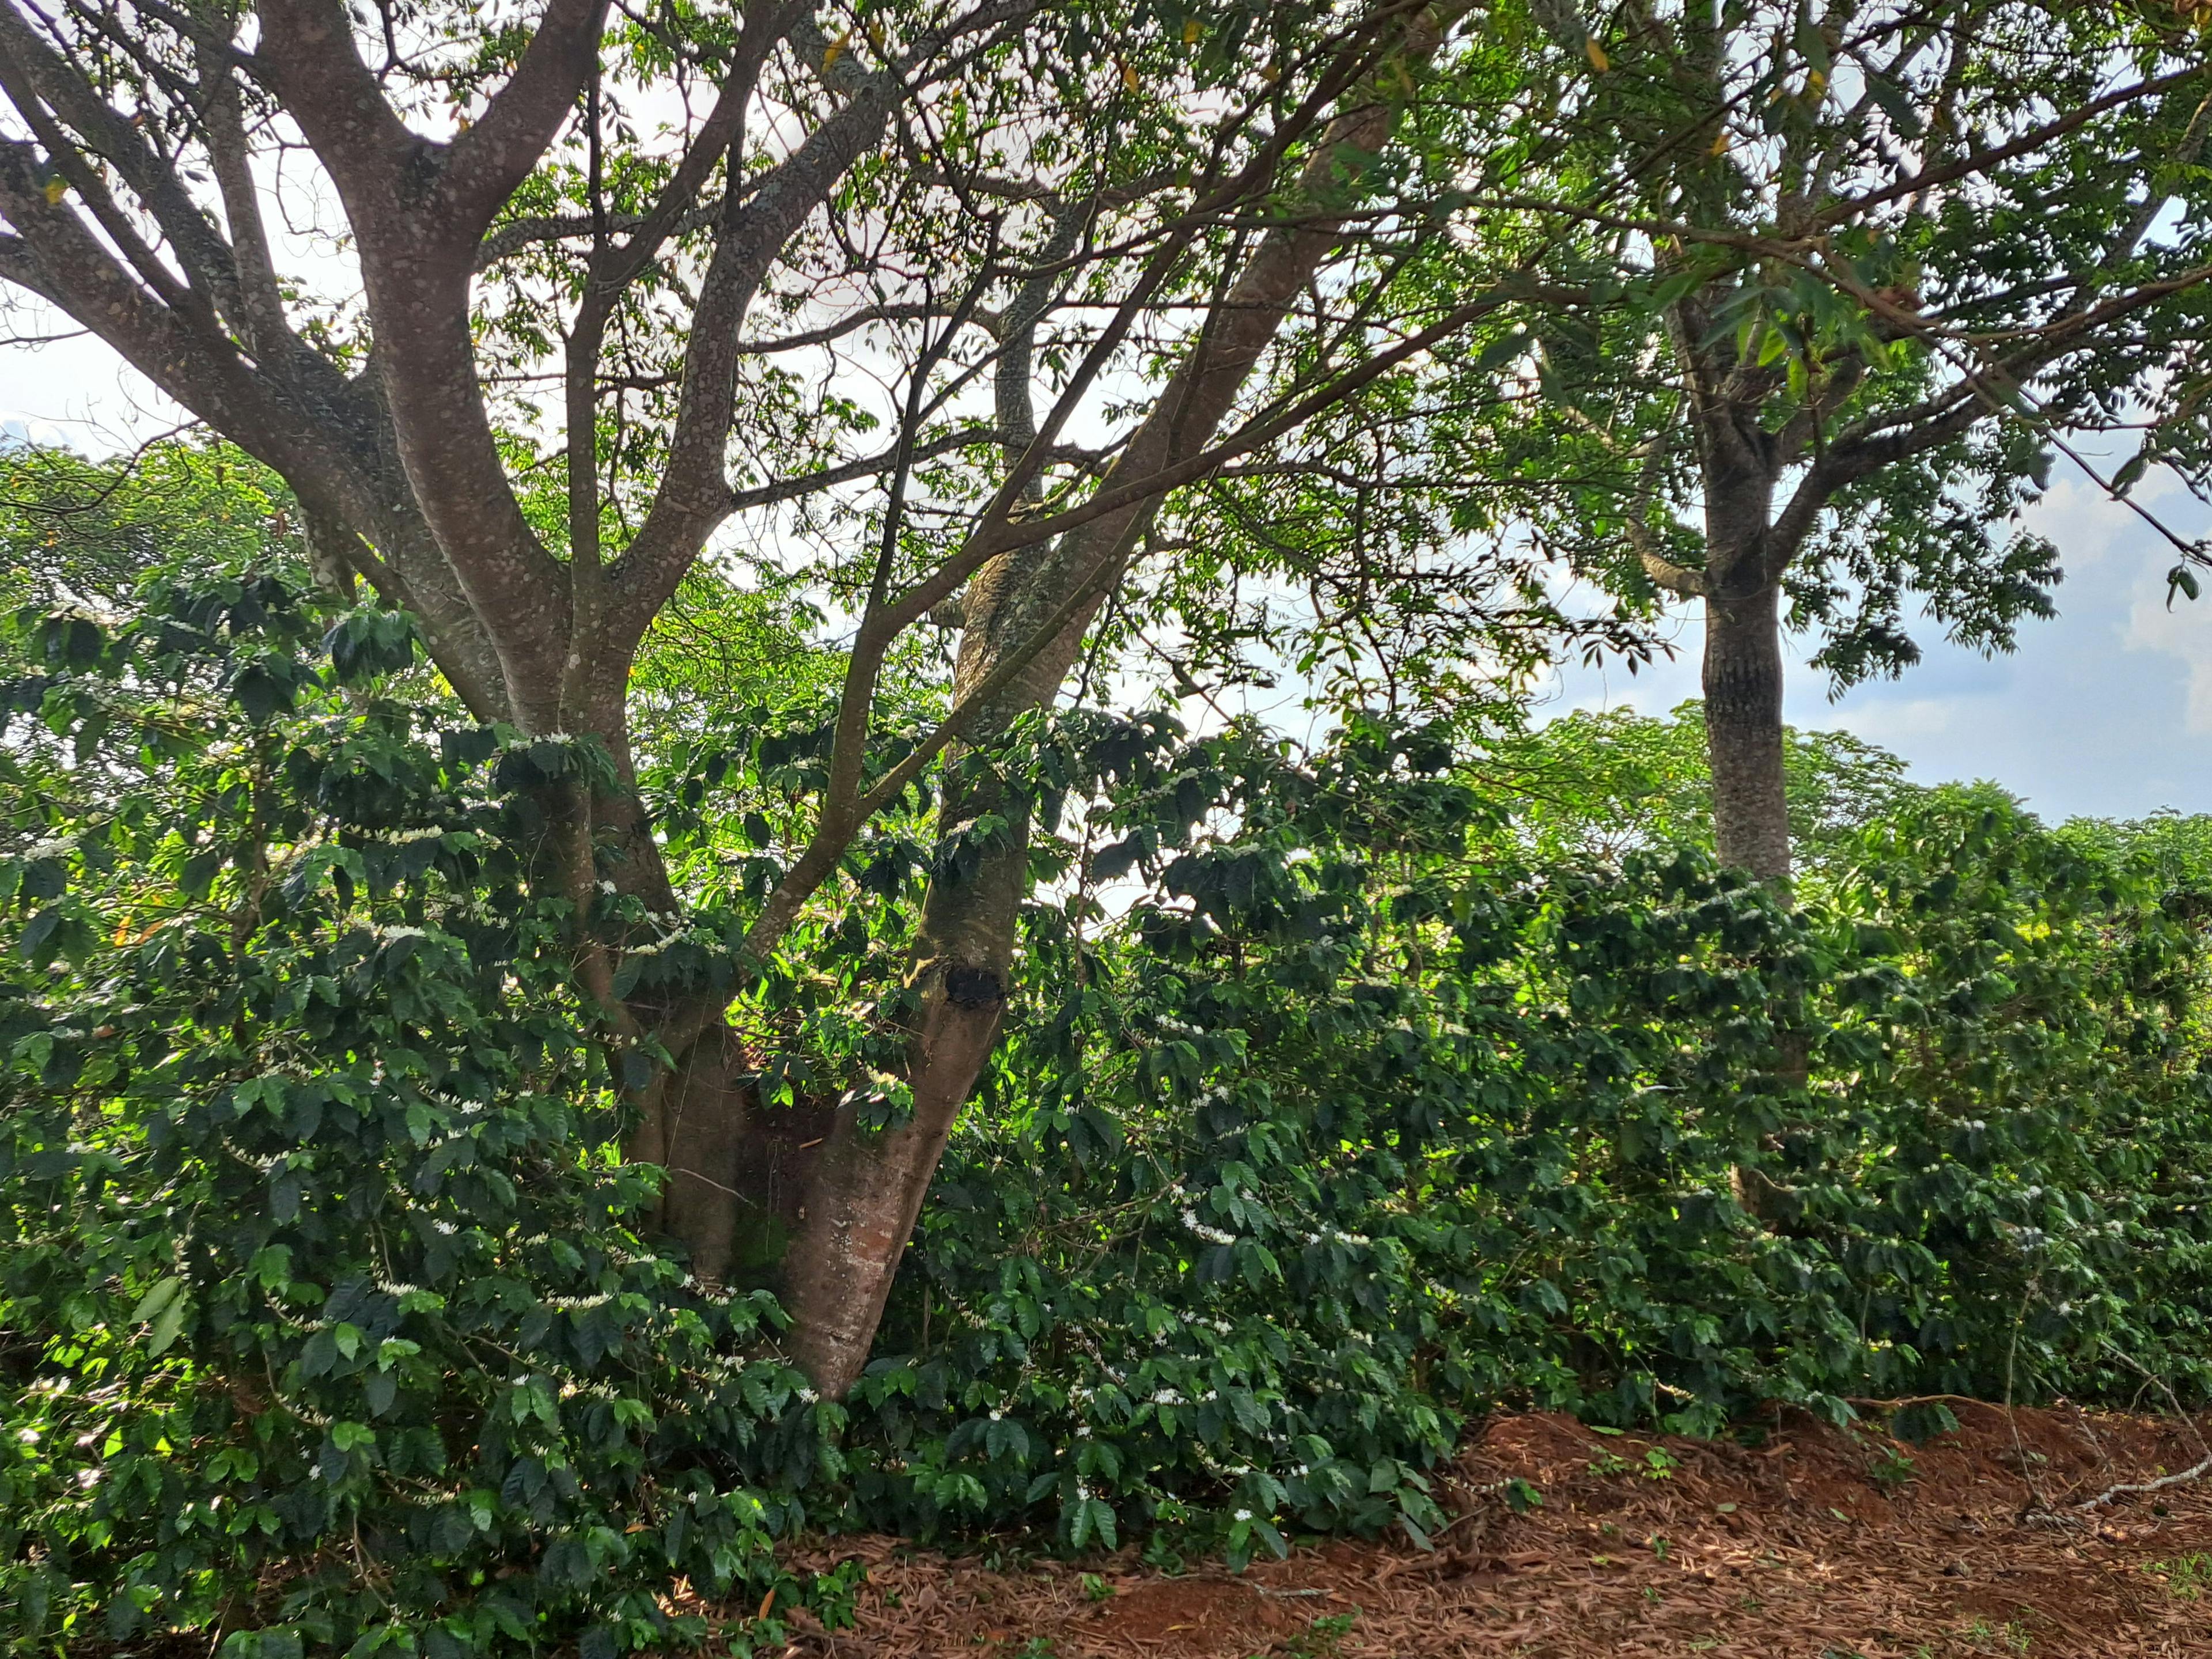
[1348, 1095]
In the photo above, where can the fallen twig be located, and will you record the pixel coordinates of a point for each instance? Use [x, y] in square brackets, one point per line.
[2132, 1488]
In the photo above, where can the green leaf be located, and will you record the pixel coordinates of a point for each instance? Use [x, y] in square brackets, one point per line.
[380, 1390]
[198, 873]
[368, 643]
[37, 942]
[262, 694]
[160, 1296]
[1102, 1524]
[168, 1324]
[1897, 104]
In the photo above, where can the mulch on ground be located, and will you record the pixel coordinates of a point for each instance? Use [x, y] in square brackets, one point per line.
[1818, 1544]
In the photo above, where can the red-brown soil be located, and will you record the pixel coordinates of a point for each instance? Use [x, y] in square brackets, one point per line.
[1818, 1544]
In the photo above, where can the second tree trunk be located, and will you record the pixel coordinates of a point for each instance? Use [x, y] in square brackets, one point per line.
[1743, 732]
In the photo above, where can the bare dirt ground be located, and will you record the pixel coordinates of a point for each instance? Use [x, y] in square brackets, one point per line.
[1816, 1545]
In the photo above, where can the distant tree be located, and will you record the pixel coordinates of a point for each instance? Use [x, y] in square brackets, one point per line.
[1607, 784]
[76, 532]
[1901, 260]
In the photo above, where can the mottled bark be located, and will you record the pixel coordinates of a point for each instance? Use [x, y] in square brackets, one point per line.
[738, 1167]
[1743, 731]
[866, 1188]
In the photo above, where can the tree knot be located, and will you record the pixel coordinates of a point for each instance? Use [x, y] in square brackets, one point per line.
[974, 987]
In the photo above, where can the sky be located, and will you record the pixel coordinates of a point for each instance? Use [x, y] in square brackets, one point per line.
[2106, 711]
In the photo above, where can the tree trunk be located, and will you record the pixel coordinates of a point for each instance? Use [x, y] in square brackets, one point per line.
[866, 1192]
[1751, 807]
[1743, 731]
[733, 1166]
[739, 1169]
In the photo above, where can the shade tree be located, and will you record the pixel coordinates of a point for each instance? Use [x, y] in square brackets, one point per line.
[1899, 264]
[589, 246]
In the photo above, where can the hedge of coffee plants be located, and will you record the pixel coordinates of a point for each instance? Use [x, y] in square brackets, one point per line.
[1345, 1102]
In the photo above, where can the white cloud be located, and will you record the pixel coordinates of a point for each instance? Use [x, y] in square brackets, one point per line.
[2183, 629]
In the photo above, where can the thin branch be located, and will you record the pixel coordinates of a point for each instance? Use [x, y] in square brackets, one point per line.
[990, 540]
[64, 86]
[1981, 160]
[511, 237]
[2136, 1488]
[693, 496]
[867, 466]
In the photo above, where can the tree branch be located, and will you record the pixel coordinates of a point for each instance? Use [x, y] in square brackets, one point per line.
[996, 536]
[260, 313]
[55, 256]
[416, 244]
[694, 496]
[307, 56]
[485, 164]
[867, 466]
[1026, 617]
[1982, 161]
[46, 74]
[1677, 579]
[662, 559]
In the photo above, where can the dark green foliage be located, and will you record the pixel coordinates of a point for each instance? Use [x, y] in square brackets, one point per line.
[1338, 1134]
[1345, 1102]
[326, 1314]
[2021, 1091]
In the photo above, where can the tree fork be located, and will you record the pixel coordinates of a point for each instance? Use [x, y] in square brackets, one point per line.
[867, 1187]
